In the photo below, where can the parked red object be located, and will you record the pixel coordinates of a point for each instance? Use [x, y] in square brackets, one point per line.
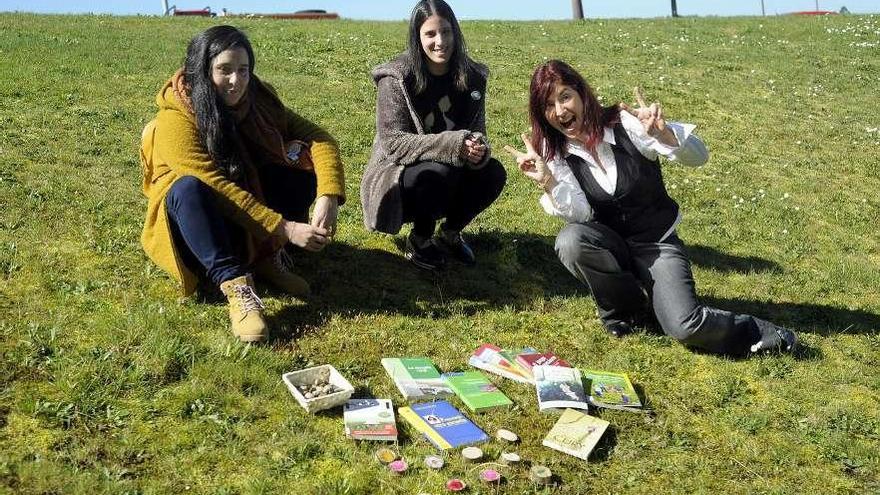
[296, 15]
[205, 12]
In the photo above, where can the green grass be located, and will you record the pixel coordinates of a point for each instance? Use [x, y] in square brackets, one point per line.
[109, 385]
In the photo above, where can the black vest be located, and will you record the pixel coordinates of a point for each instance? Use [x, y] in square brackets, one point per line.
[640, 209]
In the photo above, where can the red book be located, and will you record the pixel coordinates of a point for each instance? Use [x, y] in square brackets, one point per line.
[545, 359]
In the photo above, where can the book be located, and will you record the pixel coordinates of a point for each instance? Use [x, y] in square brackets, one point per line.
[575, 433]
[369, 419]
[611, 390]
[476, 391]
[530, 360]
[490, 358]
[416, 378]
[442, 424]
[559, 387]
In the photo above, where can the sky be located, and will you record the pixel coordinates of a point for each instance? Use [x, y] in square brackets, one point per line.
[464, 9]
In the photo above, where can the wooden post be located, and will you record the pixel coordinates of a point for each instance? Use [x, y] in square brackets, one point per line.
[674, 9]
[762, 8]
[577, 9]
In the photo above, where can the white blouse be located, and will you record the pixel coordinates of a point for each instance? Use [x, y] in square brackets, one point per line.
[568, 201]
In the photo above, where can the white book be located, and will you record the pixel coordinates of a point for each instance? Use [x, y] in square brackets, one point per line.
[559, 387]
[575, 433]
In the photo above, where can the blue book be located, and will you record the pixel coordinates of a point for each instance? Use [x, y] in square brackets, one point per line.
[443, 425]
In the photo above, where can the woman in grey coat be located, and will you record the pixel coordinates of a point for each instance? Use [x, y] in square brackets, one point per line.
[431, 159]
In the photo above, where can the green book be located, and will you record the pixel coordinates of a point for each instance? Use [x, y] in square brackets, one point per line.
[416, 378]
[611, 390]
[476, 391]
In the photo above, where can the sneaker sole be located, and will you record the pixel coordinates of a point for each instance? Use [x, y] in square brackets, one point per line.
[420, 264]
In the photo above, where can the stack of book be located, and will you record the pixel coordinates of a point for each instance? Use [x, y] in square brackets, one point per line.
[501, 362]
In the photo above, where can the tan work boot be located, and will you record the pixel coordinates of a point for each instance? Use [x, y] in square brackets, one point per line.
[277, 270]
[245, 309]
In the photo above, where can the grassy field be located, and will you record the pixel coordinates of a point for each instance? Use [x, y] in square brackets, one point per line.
[108, 384]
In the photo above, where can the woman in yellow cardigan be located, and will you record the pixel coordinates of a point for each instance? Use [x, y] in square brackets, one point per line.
[230, 174]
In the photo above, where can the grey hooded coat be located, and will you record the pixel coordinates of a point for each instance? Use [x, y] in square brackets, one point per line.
[401, 141]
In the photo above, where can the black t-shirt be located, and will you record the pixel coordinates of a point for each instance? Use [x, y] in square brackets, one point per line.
[440, 105]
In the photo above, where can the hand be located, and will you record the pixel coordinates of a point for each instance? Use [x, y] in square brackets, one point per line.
[473, 150]
[532, 165]
[306, 236]
[325, 212]
[651, 118]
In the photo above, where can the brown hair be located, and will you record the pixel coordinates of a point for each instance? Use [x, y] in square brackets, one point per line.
[548, 141]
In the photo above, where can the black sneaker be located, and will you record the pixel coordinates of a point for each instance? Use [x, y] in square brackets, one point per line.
[618, 328]
[780, 340]
[424, 255]
[454, 244]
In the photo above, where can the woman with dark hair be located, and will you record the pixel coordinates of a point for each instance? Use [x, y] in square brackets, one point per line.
[599, 170]
[431, 158]
[230, 174]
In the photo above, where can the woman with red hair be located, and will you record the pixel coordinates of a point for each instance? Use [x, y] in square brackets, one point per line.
[598, 167]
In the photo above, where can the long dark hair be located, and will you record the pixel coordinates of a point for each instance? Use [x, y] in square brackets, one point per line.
[547, 140]
[214, 121]
[460, 64]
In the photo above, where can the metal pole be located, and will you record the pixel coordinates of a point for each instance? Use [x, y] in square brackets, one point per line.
[674, 9]
[577, 9]
[762, 8]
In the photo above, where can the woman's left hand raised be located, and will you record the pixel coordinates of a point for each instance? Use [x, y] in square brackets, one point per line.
[325, 212]
[652, 119]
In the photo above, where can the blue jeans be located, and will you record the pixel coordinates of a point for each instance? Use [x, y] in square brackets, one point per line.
[211, 245]
[627, 278]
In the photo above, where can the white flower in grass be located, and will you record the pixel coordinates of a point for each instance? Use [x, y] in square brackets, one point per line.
[785, 196]
[785, 231]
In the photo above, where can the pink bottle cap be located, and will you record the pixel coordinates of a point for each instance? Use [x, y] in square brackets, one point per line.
[455, 485]
[490, 476]
[398, 467]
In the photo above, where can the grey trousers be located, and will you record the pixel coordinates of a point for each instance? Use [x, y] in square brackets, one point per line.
[628, 278]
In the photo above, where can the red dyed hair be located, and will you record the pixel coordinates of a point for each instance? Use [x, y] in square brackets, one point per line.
[548, 141]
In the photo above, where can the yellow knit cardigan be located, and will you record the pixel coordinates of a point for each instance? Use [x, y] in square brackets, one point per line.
[170, 149]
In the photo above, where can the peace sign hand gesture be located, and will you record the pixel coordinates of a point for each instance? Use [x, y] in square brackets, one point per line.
[652, 119]
[532, 165]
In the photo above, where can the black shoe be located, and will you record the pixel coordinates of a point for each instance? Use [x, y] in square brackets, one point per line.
[454, 244]
[619, 328]
[780, 340]
[426, 256]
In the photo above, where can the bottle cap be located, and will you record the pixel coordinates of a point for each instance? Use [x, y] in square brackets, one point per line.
[385, 455]
[507, 435]
[455, 485]
[540, 474]
[472, 453]
[434, 462]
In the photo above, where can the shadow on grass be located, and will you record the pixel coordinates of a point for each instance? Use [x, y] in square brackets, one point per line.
[513, 271]
[708, 257]
[804, 317]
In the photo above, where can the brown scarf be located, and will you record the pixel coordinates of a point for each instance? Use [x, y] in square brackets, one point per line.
[260, 117]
